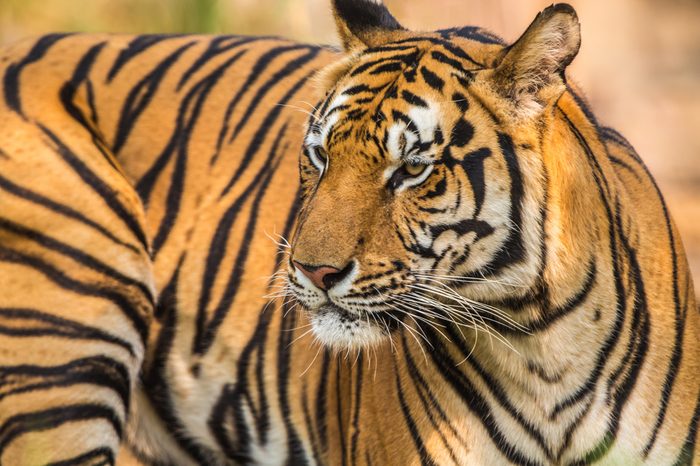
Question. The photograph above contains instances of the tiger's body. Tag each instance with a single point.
(141, 181)
(214, 213)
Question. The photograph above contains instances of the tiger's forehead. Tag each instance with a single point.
(395, 96)
(402, 118)
(398, 128)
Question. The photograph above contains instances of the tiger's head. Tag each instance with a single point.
(422, 173)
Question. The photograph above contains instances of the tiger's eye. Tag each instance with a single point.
(415, 169)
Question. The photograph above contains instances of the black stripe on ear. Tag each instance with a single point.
(361, 15)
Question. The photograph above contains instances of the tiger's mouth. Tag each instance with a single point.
(339, 328)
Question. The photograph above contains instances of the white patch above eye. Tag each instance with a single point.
(394, 144)
(330, 118)
(338, 100)
(426, 120)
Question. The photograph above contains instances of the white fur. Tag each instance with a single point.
(331, 331)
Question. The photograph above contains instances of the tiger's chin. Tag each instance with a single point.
(336, 328)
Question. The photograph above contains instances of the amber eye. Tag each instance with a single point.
(409, 174)
(319, 158)
(322, 155)
(415, 169)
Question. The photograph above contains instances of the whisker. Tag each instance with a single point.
(299, 109)
(312, 361)
(300, 337)
(452, 294)
(465, 312)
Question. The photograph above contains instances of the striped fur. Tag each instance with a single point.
(519, 294)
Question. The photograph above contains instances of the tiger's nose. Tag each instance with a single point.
(323, 276)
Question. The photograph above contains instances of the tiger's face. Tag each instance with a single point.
(413, 192)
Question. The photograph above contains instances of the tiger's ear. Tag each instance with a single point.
(365, 23)
(530, 73)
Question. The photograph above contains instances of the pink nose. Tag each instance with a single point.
(321, 276)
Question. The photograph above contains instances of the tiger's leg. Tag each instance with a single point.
(76, 296)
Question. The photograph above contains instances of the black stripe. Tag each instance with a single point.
(62, 209)
(230, 406)
(216, 47)
(38, 421)
(432, 79)
(98, 456)
(425, 458)
(497, 391)
(359, 372)
(360, 89)
(296, 454)
(106, 192)
(260, 135)
(621, 163)
(677, 352)
(607, 349)
(634, 356)
(77, 255)
(206, 329)
(462, 133)
(473, 166)
(256, 71)
(141, 95)
(339, 412)
(155, 378)
(569, 433)
(639, 329)
(461, 228)
(446, 44)
(178, 139)
(137, 318)
(550, 316)
(513, 250)
(67, 95)
(265, 87)
(687, 453)
(187, 120)
(96, 370)
(36, 323)
(310, 423)
(473, 33)
(322, 400)
(12, 74)
(464, 388)
(390, 67)
(217, 250)
(407, 58)
(429, 400)
(444, 59)
(461, 101)
(137, 46)
(235, 398)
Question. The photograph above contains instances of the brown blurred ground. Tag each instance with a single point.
(639, 64)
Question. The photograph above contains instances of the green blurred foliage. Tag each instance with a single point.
(20, 18)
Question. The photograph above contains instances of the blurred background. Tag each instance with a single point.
(639, 64)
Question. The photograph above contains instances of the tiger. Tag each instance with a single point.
(421, 248)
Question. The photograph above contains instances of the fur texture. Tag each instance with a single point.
(509, 286)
